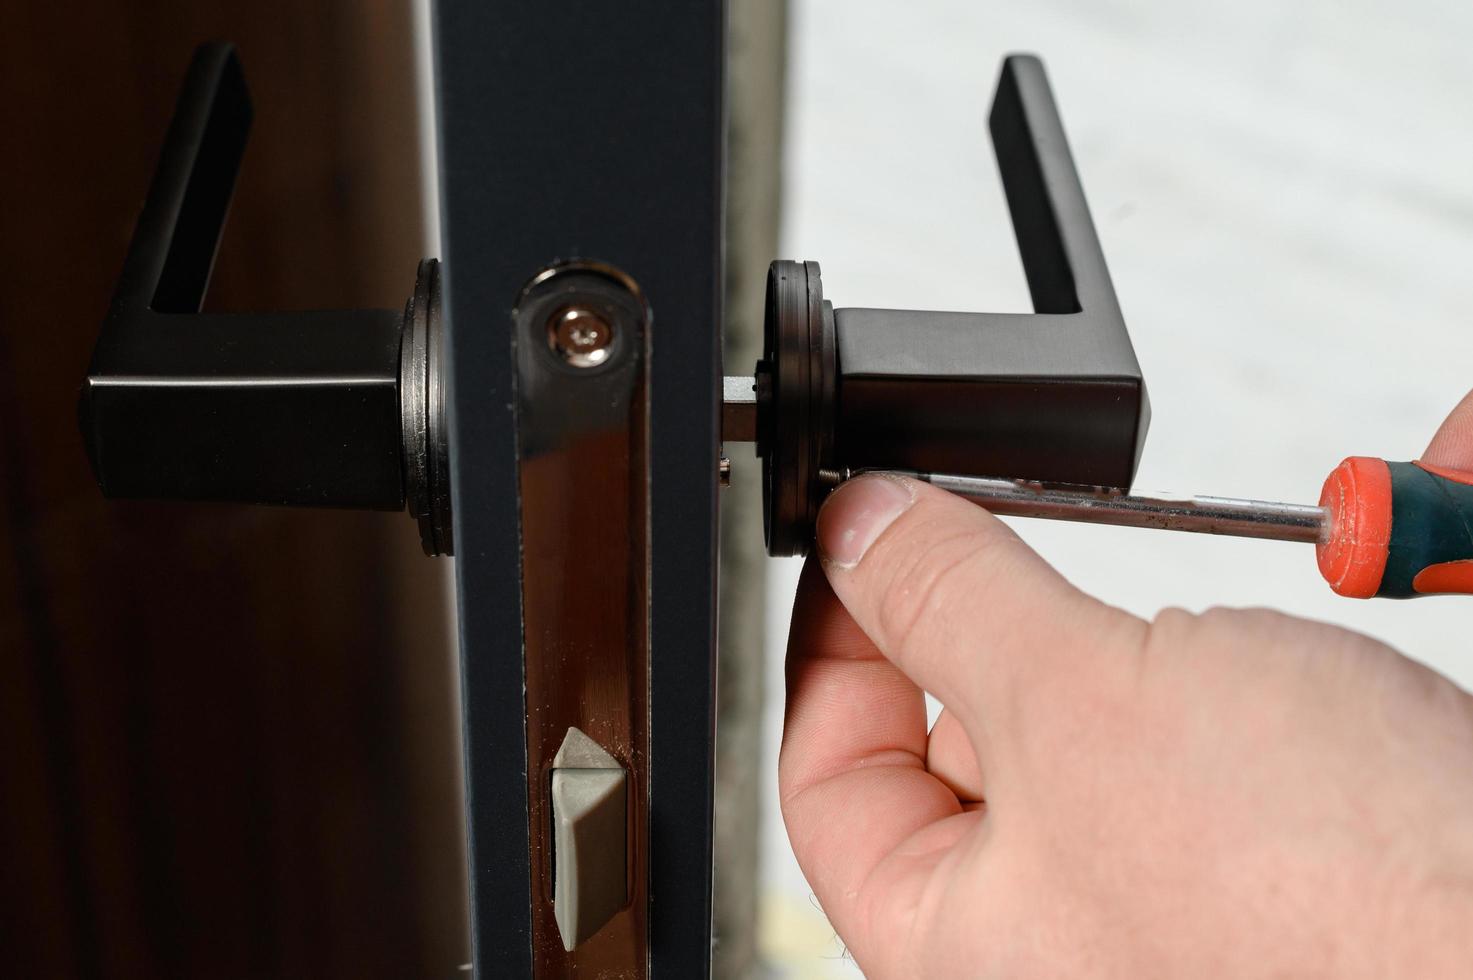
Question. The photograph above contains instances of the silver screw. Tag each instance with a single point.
(580, 335)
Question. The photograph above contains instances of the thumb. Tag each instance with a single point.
(960, 603)
(1452, 446)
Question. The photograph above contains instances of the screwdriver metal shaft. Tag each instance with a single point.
(1099, 505)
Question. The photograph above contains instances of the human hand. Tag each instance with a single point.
(1236, 793)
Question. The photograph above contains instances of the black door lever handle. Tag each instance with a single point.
(1055, 395)
(337, 408)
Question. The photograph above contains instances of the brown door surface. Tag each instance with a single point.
(228, 735)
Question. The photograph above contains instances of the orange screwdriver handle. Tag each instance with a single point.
(1397, 530)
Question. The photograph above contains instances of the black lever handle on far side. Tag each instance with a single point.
(335, 408)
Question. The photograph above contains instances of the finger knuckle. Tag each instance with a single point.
(1218, 626)
(1176, 630)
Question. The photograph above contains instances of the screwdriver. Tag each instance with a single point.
(1394, 530)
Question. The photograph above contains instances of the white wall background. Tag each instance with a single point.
(1284, 192)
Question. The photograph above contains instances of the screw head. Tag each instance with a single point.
(580, 336)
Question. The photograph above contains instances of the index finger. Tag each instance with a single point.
(1452, 446)
(866, 819)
